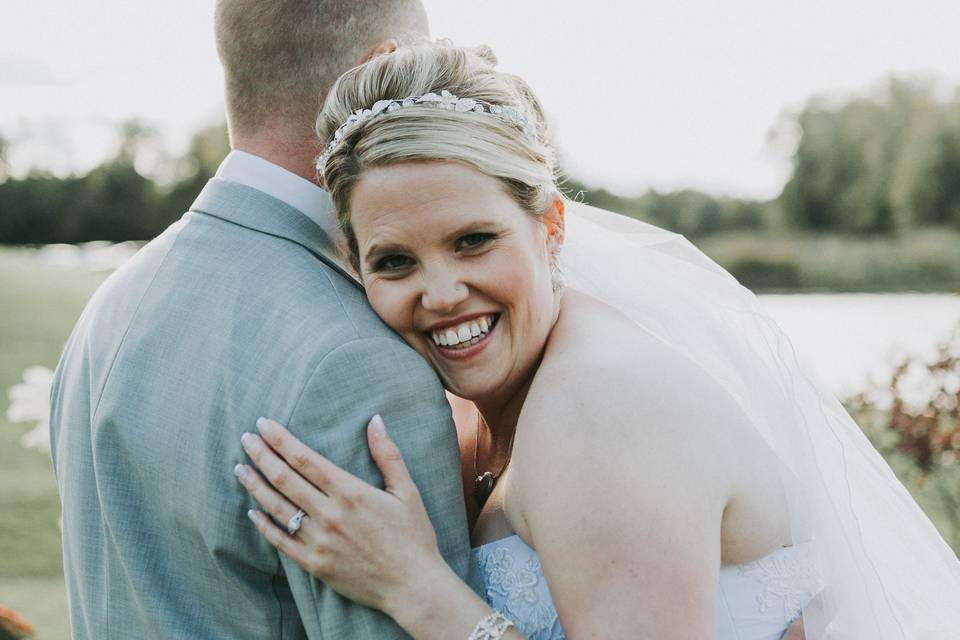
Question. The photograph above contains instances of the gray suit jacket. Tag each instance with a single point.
(234, 312)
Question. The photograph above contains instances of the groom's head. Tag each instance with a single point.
(280, 57)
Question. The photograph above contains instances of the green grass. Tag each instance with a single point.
(39, 307)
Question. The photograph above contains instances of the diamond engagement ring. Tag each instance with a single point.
(293, 524)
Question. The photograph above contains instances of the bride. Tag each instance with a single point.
(641, 454)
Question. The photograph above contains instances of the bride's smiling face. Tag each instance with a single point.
(454, 265)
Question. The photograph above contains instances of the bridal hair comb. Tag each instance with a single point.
(443, 100)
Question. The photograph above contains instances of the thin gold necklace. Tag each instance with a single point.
(484, 483)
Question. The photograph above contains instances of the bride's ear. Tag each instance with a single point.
(553, 220)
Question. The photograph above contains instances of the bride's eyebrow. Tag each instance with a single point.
(473, 226)
(377, 250)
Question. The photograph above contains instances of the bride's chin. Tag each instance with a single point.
(466, 391)
(456, 389)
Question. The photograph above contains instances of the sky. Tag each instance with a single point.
(665, 95)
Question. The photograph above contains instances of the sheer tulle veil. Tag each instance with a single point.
(884, 570)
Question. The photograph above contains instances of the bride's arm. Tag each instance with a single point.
(376, 547)
(619, 482)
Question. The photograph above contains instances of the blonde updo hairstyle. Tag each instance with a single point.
(526, 167)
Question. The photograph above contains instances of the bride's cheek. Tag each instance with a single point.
(386, 301)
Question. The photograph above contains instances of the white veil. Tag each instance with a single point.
(884, 569)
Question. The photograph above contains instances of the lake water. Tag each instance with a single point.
(852, 340)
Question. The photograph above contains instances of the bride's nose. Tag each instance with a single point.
(442, 291)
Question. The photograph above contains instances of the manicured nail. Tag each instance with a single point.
(264, 426)
(246, 439)
(379, 429)
(252, 515)
(241, 472)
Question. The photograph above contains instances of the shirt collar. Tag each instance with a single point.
(275, 181)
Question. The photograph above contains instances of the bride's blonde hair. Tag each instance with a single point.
(525, 164)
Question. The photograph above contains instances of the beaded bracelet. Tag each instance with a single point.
(491, 627)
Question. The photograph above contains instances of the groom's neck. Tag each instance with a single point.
(295, 154)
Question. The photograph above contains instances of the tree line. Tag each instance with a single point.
(115, 201)
(878, 164)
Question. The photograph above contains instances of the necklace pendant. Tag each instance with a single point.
(483, 487)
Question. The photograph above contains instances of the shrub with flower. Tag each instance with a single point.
(915, 422)
(14, 627)
(30, 402)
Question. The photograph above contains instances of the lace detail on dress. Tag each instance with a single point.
(756, 601)
(785, 580)
(515, 585)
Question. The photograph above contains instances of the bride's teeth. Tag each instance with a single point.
(469, 332)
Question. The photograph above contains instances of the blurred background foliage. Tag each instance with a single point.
(913, 420)
(873, 202)
(879, 164)
(885, 163)
(117, 200)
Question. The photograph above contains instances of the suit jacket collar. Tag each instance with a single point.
(247, 207)
(272, 179)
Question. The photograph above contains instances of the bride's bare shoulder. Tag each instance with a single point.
(614, 406)
(592, 336)
(580, 311)
(600, 365)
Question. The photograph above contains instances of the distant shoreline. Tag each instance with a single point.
(923, 261)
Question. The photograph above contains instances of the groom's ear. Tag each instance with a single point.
(385, 46)
(553, 220)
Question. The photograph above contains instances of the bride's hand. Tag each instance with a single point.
(365, 543)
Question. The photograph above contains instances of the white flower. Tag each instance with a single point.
(30, 402)
(90, 256)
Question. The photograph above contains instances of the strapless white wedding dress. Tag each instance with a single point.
(755, 601)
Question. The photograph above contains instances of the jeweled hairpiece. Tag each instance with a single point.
(443, 100)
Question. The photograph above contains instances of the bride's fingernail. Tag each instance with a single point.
(265, 427)
(246, 439)
(241, 472)
(379, 429)
(252, 515)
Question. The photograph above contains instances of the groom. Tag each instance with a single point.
(236, 311)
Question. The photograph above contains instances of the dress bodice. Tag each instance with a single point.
(755, 601)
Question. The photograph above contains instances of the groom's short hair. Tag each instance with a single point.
(280, 57)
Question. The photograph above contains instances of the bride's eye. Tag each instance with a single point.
(392, 263)
(474, 240)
